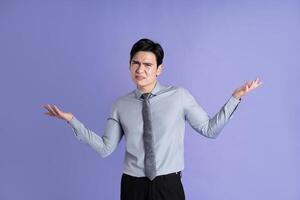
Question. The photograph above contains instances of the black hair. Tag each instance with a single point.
(150, 46)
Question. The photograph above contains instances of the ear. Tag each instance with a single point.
(159, 70)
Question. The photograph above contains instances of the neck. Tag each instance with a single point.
(148, 88)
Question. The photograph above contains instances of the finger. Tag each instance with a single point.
(48, 108)
(248, 82)
(58, 111)
(258, 84)
(54, 110)
(49, 114)
(257, 81)
(250, 85)
(45, 106)
(247, 88)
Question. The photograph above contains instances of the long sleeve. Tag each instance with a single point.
(200, 120)
(104, 145)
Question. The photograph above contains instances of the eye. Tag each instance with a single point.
(135, 64)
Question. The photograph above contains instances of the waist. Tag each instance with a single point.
(159, 176)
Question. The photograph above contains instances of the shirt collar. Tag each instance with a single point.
(155, 90)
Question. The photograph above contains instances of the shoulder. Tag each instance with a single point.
(182, 90)
(128, 95)
(123, 98)
(168, 88)
(175, 89)
(185, 94)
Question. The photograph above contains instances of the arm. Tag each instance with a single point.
(105, 144)
(200, 120)
(211, 127)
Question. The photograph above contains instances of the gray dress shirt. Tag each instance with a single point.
(170, 107)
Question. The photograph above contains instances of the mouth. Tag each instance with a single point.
(139, 78)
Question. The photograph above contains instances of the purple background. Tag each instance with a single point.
(74, 54)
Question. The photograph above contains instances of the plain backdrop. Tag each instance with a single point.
(75, 54)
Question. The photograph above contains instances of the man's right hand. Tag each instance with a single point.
(55, 112)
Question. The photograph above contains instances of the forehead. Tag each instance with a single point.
(144, 56)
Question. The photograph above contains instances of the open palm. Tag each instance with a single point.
(54, 111)
(247, 87)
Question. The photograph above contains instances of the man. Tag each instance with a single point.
(152, 120)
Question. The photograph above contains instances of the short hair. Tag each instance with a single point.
(150, 46)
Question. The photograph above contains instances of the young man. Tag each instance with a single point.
(152, 120)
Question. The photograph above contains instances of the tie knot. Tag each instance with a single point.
(145, 95)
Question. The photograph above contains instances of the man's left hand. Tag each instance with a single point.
(247, 87)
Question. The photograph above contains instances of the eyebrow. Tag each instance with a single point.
(147, 63)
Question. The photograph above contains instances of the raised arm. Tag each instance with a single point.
(200, 120)
(105, 144)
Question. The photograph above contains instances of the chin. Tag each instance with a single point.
(141, 84)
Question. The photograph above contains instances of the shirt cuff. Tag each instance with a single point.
(235, 100)
(74, 123)
(231, 105)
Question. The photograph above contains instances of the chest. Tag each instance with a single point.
(165, 111)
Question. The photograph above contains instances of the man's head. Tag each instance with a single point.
(146, 59)
(148, 46)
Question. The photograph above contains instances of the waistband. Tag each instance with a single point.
(164, 175)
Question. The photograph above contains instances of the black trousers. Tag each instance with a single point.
(164, 187)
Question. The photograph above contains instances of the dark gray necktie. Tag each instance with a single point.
(150, 168)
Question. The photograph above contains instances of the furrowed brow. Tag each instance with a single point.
(135, 61)
(147, 63)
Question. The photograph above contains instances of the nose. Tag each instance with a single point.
(140, 69)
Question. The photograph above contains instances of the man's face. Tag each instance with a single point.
(143, 69)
